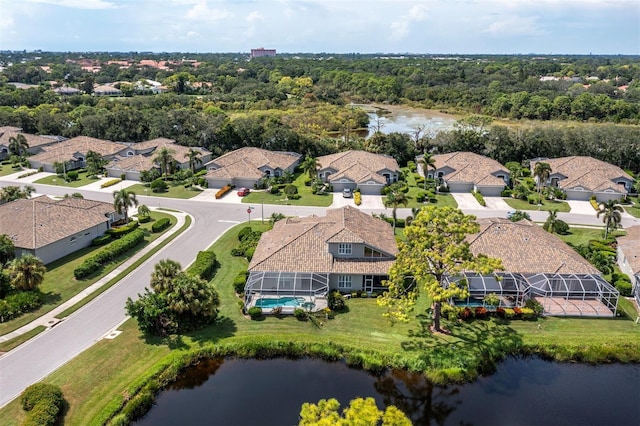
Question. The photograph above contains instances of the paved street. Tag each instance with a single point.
(51, 349)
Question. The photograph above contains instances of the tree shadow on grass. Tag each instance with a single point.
(223, 327)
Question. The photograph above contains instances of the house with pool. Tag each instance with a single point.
(301, 259)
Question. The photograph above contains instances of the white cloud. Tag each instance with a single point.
(201, 12)
(254, 16)
(79, 4)
(400, 28)
(516, 25)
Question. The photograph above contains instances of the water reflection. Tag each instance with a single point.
(400, 119)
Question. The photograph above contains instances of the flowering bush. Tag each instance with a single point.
(110, 183)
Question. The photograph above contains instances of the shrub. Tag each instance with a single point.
(245, 233)
(335, 301)
(594, 203)
(509, 313)
(357, 198)
(534, 305)
(466, 313)
(560, 227)
(159, 185)
(222, 191)
(534, 199)
(500, 312)
(274, 190)
(18, 303)
(255, 312)
(123, 230)
(204, 265)
(479, 198)
(481, 312)
(113, 250)
(72, 175)
(160, 225)
(506, 193)
(624, 287)
(290, 190)
(239, 282)
(443, 188)
(110, 183)
(300, 314)
(144, 219)
(100, 241)
(517, 311)
(527, 314)
(44, 402)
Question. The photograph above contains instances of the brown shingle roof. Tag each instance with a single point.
(630, 246)
(526, 248)
(358, 166)
(246, 162)
(586, 172)
(63, 151)
(470, 167)
(40, 221)
(301, 244)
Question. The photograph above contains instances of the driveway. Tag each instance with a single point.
(369, 202)
(497, 203)
(466, 201)
(581, 207)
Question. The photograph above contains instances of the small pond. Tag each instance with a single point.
(402, 119)
(522, 392)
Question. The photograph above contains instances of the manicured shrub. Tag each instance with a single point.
(107, 254)
(160, 225)
(204, 266)
(18, 303)
(110, 183)
(534, 199)
(335, 301)
(481, 312)
(101, 240)
(466, 313)
(159, 185)
(500, 312)
(527, 314)
(357, 198)
(72, 175)
(443, 188)
(144, 219)
(274, 190)
(290, 190)
(624, 287)
(509, 313)
(43, 402)
(239, 282)
(506, 193)
(300, 314)
(534, 305)
(244, 233)
(479, 198)
(255, 312)
(123, 230)
(517, 311)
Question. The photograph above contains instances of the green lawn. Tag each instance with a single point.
(83, 180)
(178, 191)
(581, 236)
(634, 210)
(306, 197)
(59, 284)
(7, 169)
(362, 332)
(443, 200)
(547, 205)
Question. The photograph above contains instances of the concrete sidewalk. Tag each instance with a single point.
(50, 319)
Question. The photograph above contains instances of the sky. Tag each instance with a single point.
(324, 26)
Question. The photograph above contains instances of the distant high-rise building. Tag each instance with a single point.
(260, 52)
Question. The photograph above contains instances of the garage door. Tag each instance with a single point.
(370, 189)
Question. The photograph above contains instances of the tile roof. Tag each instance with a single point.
(630, 246)
(358, 166)
(470, 167)
(526, 248)
(40, 221)
(301, 244)
(136, 163)
(246, 162)
(32, 140)
(64, 151)
(10, 129)
(179, 151)
(586, 172)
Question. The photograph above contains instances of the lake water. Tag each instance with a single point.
(400, 119)
(522, 392)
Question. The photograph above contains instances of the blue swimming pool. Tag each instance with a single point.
(281, 301)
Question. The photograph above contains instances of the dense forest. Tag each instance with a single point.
(512, 107)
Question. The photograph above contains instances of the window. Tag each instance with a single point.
(369, 252)
(344, 281)
(344, 248)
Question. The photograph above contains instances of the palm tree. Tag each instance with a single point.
(94, 162)
(194, 159)
(7, 249)
(165, 158)
(18, 144)
(428, 162)
(164, 272)
(550, 223)
(395, 197)
(143, 210)
(11, 193)
(309, 166)
(122, 200)
(611, 213)
(542, 171)
(26, 272)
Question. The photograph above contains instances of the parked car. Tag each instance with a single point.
(347, 193)
(243, 191)
(510, 214)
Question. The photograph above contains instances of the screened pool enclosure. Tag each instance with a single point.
(307, 288)
(511, 289)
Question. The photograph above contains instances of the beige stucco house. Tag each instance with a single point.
(51, 229)
(36, 143)
(358, 169)
(73, 153)
(629, 257)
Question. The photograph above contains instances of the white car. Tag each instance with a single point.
(347, 193)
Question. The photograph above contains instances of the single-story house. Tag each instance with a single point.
(629, 257)
(539, 265)
(466, 171)
(305, 258)
(358, 169)
(106, 90)
(581, 177)
(67, 91)
(73, 153)
(51, 229)
(244, 167)
(36, 143)
(139, 157)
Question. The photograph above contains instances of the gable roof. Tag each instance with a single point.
(40, 221)
(585, 172)
(137, 163)
(358, 166)
(526, 248)
(471, 167)
(301, 244)
(179, 151)
(630, 246)
(246, 162)
(32, 140)
(64, 151)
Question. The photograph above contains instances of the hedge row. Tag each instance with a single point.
(113, 250)
(16, 304)
(204, 266)
(122, 230)
(44, 403)
(479, 198)
(160, 225)
(223, 191)
(100, 241)
(110, 183)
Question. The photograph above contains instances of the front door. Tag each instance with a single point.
(368, 283)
